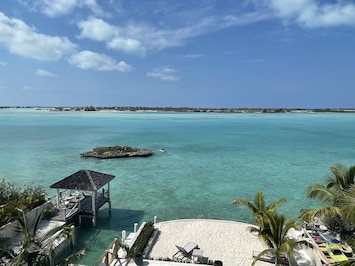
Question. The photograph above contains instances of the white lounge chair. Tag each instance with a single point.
(185, 252)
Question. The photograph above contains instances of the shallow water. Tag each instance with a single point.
(210, 160)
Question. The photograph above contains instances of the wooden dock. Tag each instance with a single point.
(78, 205)
(71, 200)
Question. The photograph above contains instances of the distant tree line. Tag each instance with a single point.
(202, 110)
(188, 109)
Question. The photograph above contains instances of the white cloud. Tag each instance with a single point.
(44, 73)
(314, 14)
(59, 7)
(96, 29)
(29, 88)
(164, 73)
(127, 45)
(286, 8)
(2, 63)
(23, 40)
(91, 60)
(55, 8)
(194, 55)
(99, 30)
(137, 39)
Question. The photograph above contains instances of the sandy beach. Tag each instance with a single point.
(227, 241)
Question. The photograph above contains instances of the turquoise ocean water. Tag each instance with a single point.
(210, 160)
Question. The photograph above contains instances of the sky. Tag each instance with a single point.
(185, 53)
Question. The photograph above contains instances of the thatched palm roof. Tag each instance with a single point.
(84, 180)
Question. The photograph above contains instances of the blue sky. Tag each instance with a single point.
(186, 53)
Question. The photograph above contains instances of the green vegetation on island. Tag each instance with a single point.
(205, 109)
(116, 152)
(188, 109)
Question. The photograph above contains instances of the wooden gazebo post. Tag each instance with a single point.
(93, 207)
(58, 198)
(109, 197)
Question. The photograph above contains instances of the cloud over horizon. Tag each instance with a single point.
(164, 73)
(90, 60)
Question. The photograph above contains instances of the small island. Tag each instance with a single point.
(116, 152)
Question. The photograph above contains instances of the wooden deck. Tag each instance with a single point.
(79, 205)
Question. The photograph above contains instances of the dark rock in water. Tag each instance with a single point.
(116, 152)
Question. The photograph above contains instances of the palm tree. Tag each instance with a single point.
(328, 198)
(333, 195)
(258, 207)
(347, 205)
(36, 248)
(342, 177)
(274, 235)
(350, 262)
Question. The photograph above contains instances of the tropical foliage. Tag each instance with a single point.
(258, 207)
(13, 196)
(337, 197)
(274, 235)
(142, 240)
(272, 228)
(36, 248)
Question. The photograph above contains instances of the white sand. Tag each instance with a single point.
(230, 242)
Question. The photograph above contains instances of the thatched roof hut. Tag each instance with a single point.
(85, 180)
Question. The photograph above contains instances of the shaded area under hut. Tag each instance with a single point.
(78, 194)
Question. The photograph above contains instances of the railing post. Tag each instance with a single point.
(73, 235)
(123, 237)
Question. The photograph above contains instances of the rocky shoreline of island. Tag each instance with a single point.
(116, 152)
(206, 110)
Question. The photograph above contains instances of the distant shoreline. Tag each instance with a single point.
(187, 109)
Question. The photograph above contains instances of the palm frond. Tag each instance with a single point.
(259, 200)
(342, 178)
(261, 254)
(322, 193)
(246, 203)
(276, 203)
(38, 220)
(350, 262)
(287, 248)
(73, 256)
(351, 174)
(327, 211)
(347, 206)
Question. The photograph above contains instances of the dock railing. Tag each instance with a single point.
(110, 253)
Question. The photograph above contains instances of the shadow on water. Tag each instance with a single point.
(117, 220)
(108, 226)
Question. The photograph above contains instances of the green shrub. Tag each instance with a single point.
(118, 149)
(142, 240)
(13, 196)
